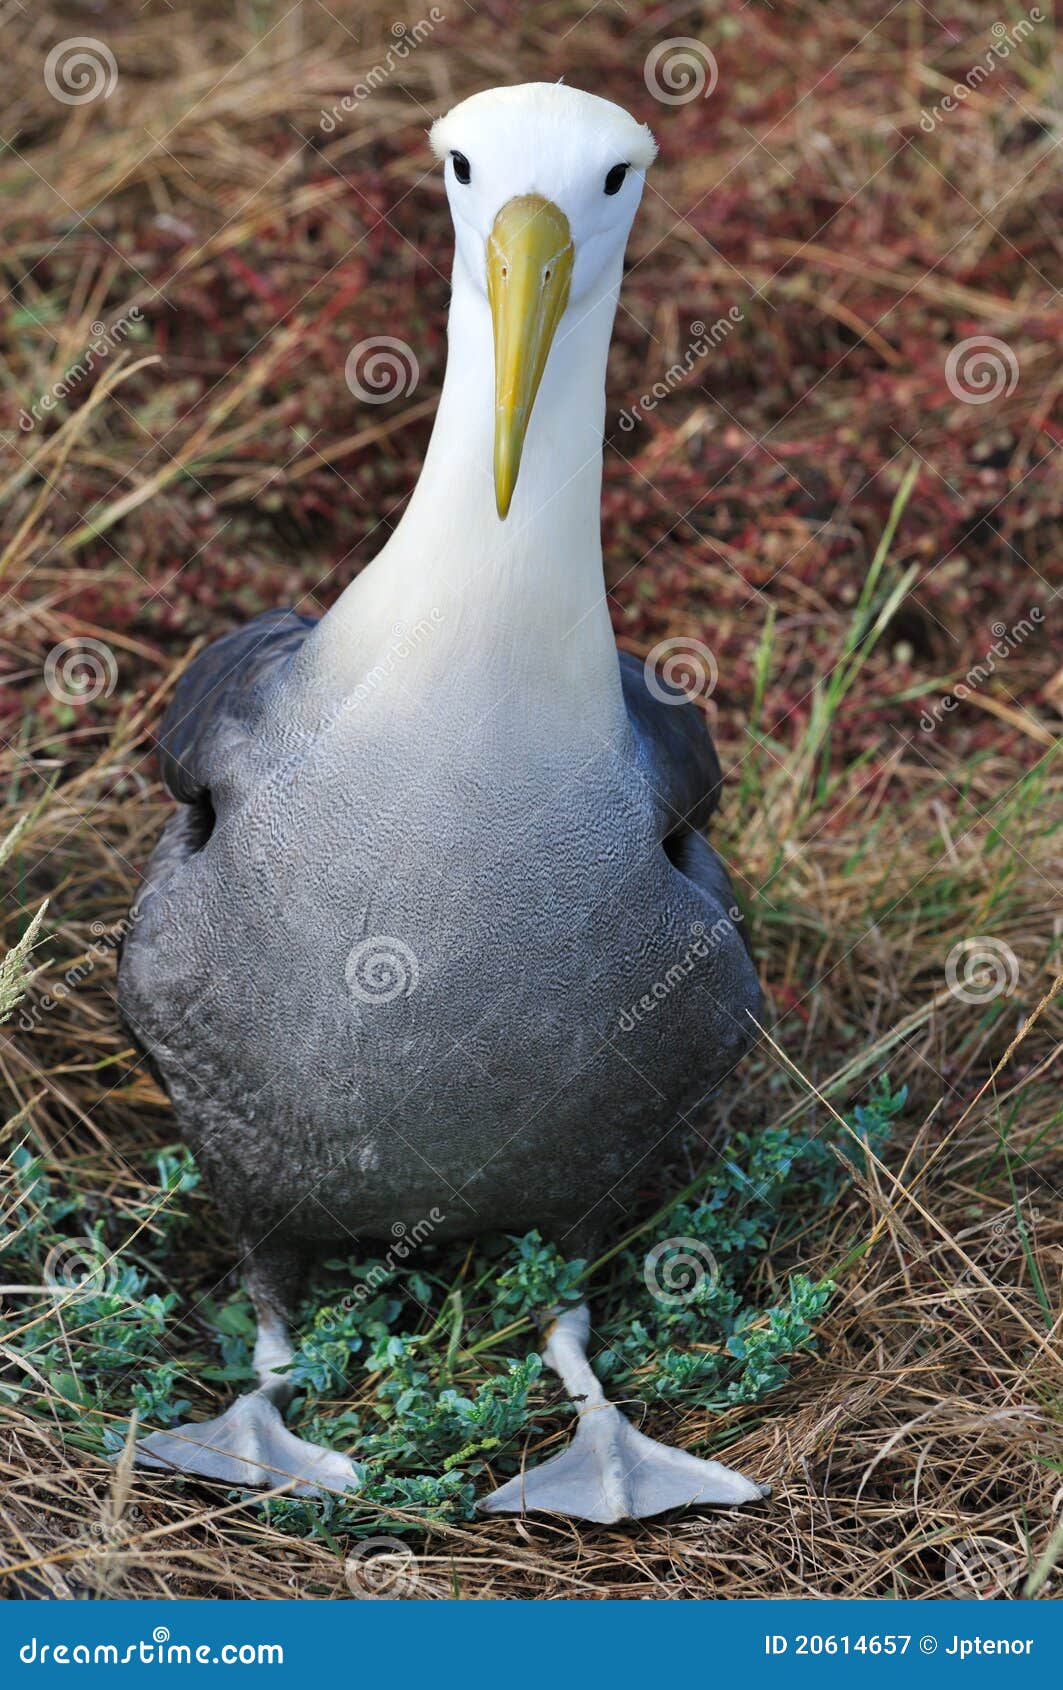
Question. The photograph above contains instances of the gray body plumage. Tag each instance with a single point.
(395, 961)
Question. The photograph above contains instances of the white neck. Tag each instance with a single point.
(515, 610)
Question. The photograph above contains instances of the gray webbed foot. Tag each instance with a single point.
(610, 1471)
(249, 1445)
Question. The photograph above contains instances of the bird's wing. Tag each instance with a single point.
(680, 759)
(218, 693)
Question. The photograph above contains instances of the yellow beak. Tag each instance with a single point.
(529, 269)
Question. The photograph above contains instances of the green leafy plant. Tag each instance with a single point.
(438, 1397)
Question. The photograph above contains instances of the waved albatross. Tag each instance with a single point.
(429, 847)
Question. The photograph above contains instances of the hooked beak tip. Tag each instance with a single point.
(529, 267)
(509, 442)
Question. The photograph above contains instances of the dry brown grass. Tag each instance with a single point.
(168, 499)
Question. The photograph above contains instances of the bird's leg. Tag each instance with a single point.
(249, 1443)
(610, 1471)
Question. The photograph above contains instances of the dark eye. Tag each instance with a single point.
(462, 169)
(615, 179)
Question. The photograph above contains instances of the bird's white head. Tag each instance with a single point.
(543, 182)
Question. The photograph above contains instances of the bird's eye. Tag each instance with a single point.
(462, 169)
(615, 179)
